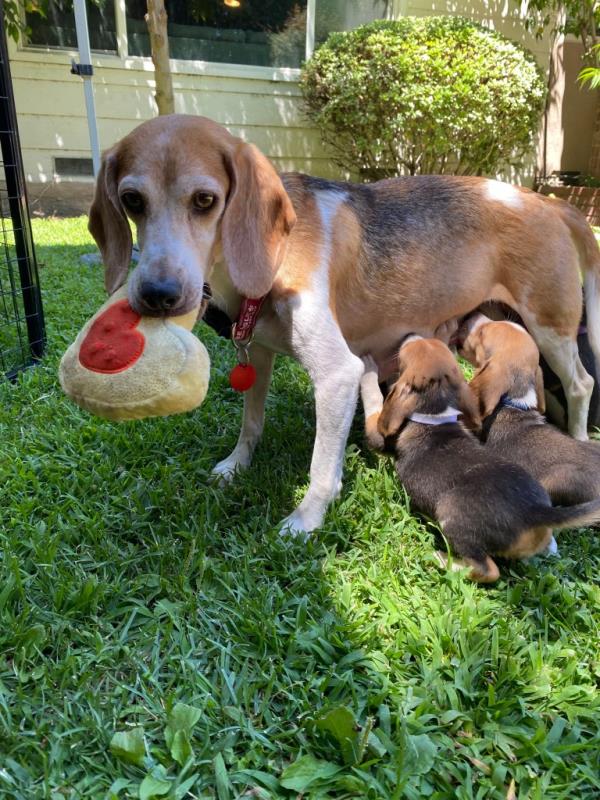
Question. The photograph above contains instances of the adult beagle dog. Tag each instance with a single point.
(510, 394)
(485, 505)
(346, 268)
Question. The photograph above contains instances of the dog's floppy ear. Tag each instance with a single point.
(257, 221)
(539, 390)
(109, 225)
(488, 384)
(398, 405)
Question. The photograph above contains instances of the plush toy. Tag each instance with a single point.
(125, 366)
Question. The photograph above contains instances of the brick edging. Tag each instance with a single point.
(587, 199)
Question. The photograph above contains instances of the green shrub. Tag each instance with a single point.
(440, 94)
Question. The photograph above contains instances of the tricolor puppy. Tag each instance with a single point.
(485, 506)
(509, 391)
(346, 268)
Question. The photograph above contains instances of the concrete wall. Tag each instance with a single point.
(260, 104)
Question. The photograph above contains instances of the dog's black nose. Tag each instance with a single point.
(160, 296)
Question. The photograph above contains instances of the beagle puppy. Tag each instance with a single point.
(344, 269)
(485, 506)
(509, 389)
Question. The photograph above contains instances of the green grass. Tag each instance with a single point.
(137, 599)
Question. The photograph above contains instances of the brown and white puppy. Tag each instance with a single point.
(510, 395)
(348, 268)
(485, 506)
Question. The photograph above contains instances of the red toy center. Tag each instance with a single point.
(113, 344)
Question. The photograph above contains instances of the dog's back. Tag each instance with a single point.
(569, 470)
(482, 502)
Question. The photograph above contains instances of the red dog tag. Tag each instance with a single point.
(113, 342)
(242, 377)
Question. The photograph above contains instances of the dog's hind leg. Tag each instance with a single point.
(562, 355)
(253, 418)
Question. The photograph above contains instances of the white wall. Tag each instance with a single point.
(260, 104)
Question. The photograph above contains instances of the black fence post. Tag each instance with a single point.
(20, 302)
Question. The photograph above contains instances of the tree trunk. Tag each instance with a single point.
(156, 20)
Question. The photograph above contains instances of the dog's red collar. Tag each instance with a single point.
(243, 327)
(243, 375)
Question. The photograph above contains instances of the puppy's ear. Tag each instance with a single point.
(488, 384)
(539, 390)
(109, 225)
(257, 221)
(467, 403)
(398, 405)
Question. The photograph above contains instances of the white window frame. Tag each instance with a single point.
(182, 66)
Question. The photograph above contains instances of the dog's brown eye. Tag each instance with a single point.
(133, 202)
(202, 201)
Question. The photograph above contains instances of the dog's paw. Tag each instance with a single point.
(225, 471)
(300, 523)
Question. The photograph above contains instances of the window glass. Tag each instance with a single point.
(57, 28)
(344, 15)
(269, 33)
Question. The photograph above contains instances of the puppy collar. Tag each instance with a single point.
(526, 403)
(408, 337)
(447, 417)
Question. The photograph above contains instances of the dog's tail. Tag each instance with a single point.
(589, 259)
(569, 516)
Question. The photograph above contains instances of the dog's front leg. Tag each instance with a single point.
(253, 418)
(335, 373)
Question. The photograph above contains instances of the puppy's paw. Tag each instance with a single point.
(372, 400)
(369, 387)
(552, 550)
(443, 560)
(447, 331)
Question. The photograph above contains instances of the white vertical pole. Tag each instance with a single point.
(83, 43)
(310, 28)
(121, 26)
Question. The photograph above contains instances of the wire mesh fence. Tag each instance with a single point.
(22, 333)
